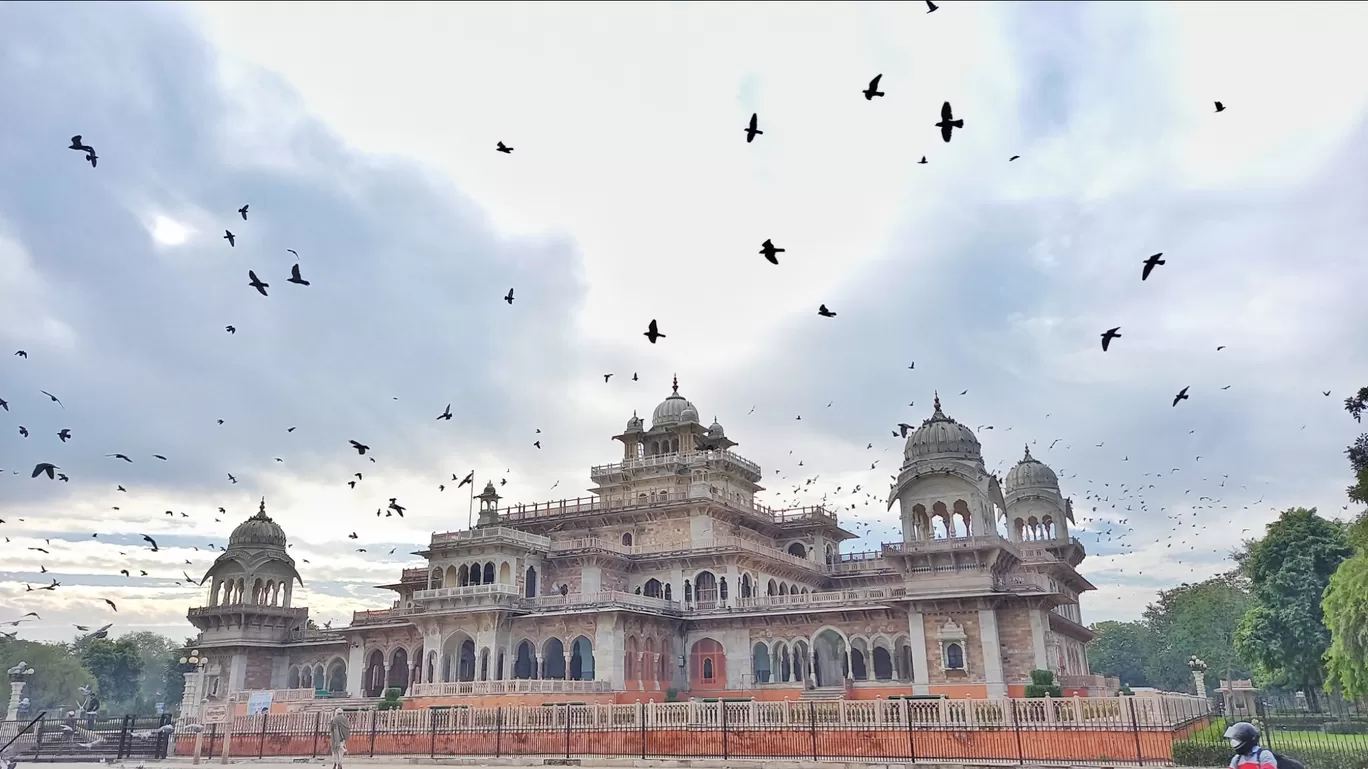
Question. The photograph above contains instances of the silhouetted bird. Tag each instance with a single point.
(295, 276)
(770, 251)
(1181, 396)
(505, 149)
(1220, 107)
(753, 129)
(257, 284)
(1108, 335)
(243, 211)
(1150, 264)
(80, 146)
(228, 236)
(509, 297)
(930, 6)
(824, 312)
(948, 122)
(873, 89)
(653, 332)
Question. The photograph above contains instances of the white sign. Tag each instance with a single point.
(215, 714)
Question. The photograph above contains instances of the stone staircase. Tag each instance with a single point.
(823, 693)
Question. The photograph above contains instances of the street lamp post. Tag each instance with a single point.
(1198, 667)
(192, 666)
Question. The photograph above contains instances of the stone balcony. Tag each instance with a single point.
(587, 506)
(246, 608)
(671, 463)
(468, 598)
(710, 545)
(490, 535)
(952, 544)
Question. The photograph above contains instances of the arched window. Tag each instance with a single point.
(722, 588)
(489, 573)
(797, 550)
(668, 592)
(627, 538)
(530, 589)
(463, 576)
(653, 588)
(954, 657)
(708, 669)
(745, 586)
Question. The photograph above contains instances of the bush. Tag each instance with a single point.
(1190, 753)
(672, 694)
(391, 699)
(1043, 685)
(1345, 727)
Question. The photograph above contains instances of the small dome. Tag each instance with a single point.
(674, 410)
(715, 430)
(1030, 473)
(941, 436)
(258, 531)
(634, 425)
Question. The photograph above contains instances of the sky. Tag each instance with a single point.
(364, 139)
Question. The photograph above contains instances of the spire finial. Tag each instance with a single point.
(676, 384)
(261, 510)
(1028, 451)
(938, 408)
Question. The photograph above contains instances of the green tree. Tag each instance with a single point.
(1346, 616)
(1284, 633)
(57, 676)
(1358, 451)
(1197, 619)
(117, 666)
(1121, 649)
(161, 679)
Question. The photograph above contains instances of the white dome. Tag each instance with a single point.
(715, 430)
(674, 410)
(941, 437)
(634, 424)
(1030, 473)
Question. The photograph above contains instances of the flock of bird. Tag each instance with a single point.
(1108, 529)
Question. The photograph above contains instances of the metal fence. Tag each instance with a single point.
(1333, 736)
(82, 739)
(1003, 731)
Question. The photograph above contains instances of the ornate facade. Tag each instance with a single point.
(672, 581)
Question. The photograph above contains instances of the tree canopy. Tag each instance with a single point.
(1284, 633)
(116, 664)
(58, 674)
(1346, 599)
(1191, 619)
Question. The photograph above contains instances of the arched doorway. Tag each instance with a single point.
(399, 670)
(466, 670)
(525, 664)
(829, 658)
(707, 665)
(553, 659)
(375, 674)
(581, 660)
(337, 676)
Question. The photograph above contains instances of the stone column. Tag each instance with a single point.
(916, 633)
(356, 669)
(540, 672)
(992, 653)
(567, 666)
(1039, 624)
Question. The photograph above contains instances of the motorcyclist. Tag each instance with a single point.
(1244, 740)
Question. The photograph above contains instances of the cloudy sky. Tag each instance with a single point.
(364, 139)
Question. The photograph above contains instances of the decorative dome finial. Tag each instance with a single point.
(937, 404)
(675, 387)
(261, 510)
(1028, 453)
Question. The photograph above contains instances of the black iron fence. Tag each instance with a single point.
(1334, 735)
(88, 738)
(722, 730)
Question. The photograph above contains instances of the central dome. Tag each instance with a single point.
(1030, 473)
(674, 410)
(941, 437)
(258, 531)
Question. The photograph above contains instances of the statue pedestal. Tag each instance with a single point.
(16, 694)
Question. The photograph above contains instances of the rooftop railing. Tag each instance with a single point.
(676, 458)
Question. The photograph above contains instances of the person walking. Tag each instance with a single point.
(339, 730)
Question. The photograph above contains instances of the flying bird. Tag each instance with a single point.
(771, 251)
(51, 396)
(1181, 396)
(257, 284)
(824, 312)
(296, 253)
(606, 377)
(93, 158)
(230, 329)
(124, 457)
(930, 6)
(44, 467)
(243, 211)
(470, 478)
(753, 129)
(653, 332)
(873, 89)
(151, 542)
(64, 434)
(446, 414)
(509, 297)
(505, 149)
(1220, 107)
(80, 146)
(111, 604)
(295, 276)
(21, 353)
(1150, 264)
(1108, 335)
(948, 122)
(1014, 157)
(361, 448)
(228, 236)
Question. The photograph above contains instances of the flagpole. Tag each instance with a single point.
(470, 511)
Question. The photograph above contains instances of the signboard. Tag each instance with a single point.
(259, 702)
(215, 713)
(161, 708)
